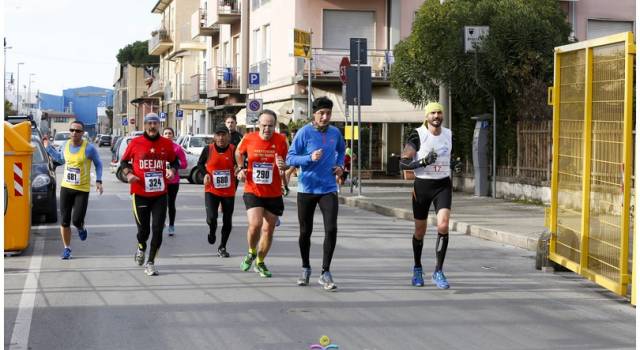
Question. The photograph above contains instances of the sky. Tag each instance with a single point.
(72, 43)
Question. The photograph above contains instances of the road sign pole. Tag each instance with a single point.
(310, 58)
(359, 128)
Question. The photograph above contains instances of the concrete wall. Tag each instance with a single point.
(507, 190)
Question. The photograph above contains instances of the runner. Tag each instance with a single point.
(218, 162)
(265, 151)
(149, 154)
(428, 153)
(318, 149)
(77, 155)
(174, 184)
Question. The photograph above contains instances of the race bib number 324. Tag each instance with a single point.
(153, 181)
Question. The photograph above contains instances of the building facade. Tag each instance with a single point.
(83, 102)
(130, 100)
(594, 18)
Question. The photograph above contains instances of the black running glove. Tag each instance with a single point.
(429, 159)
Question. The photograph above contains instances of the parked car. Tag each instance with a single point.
(104, 140)
(60, 138)
(115, 159)
(193, 146)
(43, 184)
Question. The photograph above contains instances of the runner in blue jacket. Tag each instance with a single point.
(318, 149)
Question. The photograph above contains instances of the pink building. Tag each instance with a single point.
(595, 18)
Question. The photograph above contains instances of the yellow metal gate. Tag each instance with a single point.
(592, 98)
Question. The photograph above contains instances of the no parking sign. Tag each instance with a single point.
(254, 108)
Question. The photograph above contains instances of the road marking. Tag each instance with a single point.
(48, 227)
(22, 326)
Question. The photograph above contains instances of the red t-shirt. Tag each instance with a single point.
(149, 159)
(220, 167)
(263, 176)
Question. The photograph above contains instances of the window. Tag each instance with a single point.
(255, 44)
(339, 26)
(226, 54)
(266, 39)
(236, 51)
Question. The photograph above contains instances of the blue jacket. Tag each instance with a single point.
(317, 177)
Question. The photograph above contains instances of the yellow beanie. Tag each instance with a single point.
(432, 107)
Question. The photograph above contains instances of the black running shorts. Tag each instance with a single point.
(427, 191)
(274, 205)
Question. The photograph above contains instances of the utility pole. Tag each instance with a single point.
(29, 91)
(18, 89)
(5, 65)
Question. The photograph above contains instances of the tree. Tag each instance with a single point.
(8, 109)
(137, 54)
(515, 64)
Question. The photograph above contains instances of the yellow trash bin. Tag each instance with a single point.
(17, 185)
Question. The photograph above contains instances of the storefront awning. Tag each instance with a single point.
(386, 107)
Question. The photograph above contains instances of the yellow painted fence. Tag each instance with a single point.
(592, 98)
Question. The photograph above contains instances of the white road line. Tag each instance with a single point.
(22, 326)
(48, 227)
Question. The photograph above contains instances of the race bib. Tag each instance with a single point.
(72, 175)
(153, 181)
(221, 178)
(263, 173)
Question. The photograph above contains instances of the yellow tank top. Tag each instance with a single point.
(77, 168)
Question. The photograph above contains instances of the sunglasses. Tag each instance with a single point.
(76, 130)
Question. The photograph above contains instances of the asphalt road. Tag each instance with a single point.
(102, 300)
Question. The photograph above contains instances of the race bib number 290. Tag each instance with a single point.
(153, 181)
(262, 173)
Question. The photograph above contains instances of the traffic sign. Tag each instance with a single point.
(344, 64)
(365, 86)
(179, 113)
(124, 121)
(301, 43)
(473, 36)
(163, 116)
(358, 50)
(254, 80)
(254, 109)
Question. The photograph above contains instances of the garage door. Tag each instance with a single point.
(598, 28)
(338, 26)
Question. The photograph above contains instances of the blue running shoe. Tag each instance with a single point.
(171, 230)
(277, 221)
(417, 280)
(66, 254)
(82, 233)
(440, 280)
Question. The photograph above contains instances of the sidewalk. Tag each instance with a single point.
(515, 224)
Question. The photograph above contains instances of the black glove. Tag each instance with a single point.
(285, 190)
(429, 159)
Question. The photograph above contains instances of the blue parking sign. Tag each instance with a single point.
(254, 78)
(179, 113)
(163, 116)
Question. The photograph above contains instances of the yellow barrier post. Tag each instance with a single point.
(17, 171)
(586, 161)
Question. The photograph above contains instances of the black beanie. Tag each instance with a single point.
(321, 102)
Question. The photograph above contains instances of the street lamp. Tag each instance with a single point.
(18, 89)
(29, 91)
(5, 64)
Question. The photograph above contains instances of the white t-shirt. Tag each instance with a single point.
(441, 144)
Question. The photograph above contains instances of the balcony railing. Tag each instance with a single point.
(226, 12)
(198, 86)
(326, 64)
(227, 78)
(160, 41)
(156, 89)
(199, 25)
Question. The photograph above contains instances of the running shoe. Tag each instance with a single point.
(150, 269)
(277, 221)
(247, 261)
(66, 254)
(211, 238)
(222, 252)
(171, 230)
(417, 280)
(82, 233)
(326, 280)
(139, 257)
(440, 280)
(304, 278)
(262, 269)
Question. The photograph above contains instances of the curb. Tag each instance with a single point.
(508, 238)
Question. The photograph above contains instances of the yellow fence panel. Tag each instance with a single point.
(592, 159)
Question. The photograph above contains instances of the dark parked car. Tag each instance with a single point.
(43, 185)
(105, 140)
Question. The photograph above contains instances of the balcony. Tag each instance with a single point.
(156, 89)
(223, 80)
(199, 26)
(326, 65)
(185, 41)
(226, 12)
(198, 86)
(160, 42)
